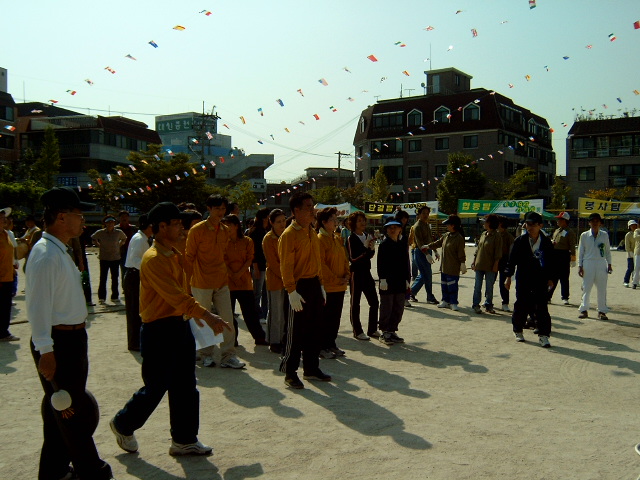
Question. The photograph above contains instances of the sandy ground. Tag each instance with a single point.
(459, 400)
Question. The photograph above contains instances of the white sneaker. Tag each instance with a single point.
(519, 336)
(505, 307)
(197, 448)
(126, 442)
(443, 304)
(626, 285)
(544, 341)
(454, 307)
(208, 362)
(565, 301)
(232, 362)
(362, 336)
(407, 304)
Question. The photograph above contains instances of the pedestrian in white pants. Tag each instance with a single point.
(594, 263)
(636, 256)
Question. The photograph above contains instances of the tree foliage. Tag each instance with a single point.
(355, 195)
(604, 194)
(47, 166)
(154, 180)
(515, 187)
(244, 196)
(463, 180)
(378, 187)
(559, 193)
(329, 195)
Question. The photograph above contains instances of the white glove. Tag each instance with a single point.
(430, 259)
(324, 293)
(423, 248)
(463, 269)
(296, 301)
(573, 264)
(383, 284)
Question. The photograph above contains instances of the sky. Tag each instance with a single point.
(249, 54)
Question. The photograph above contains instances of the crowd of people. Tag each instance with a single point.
(289, 276)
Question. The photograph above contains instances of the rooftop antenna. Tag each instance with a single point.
(377, 97)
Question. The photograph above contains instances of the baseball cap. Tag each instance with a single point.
(534, 217)
(564, 216)
(595, 216)
(164, 212)
(64, 197)
(392, 222)
(109, 218)
(452, 220)
(631, 222)
(6, 211)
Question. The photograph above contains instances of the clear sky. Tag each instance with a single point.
(248, 54)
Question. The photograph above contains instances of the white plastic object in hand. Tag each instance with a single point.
(573, 264)
(61, 400)
(296, 301)
(463, 269)
(324, 292)
(383, 284)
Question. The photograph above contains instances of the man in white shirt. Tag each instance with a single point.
(57, 313)
(594, 263)
(138, 244)
(629, 248)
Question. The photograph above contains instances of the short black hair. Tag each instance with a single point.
(123, 212)
(420, 209)
(400, 214)
(324, 215)
(233, 220)
(143, 221)
(493, 221)
(297, 199)
(275, 213)
(217, 200)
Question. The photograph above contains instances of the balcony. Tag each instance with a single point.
(627, 180)
(606, 152)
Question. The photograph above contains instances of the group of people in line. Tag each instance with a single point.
(178, 266)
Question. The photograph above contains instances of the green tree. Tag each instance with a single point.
(463, 180)
(47, 166)
(516, 186)
(559, 193)
(329, 195)
(355, 195)
(602, 194)
(378, 187)
(243, 194)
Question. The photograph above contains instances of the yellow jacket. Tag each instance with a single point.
(240, 253)
(204, 255)
(299, 252)
(270, 248)
(333, 258)
(6, 258)
(163, 286)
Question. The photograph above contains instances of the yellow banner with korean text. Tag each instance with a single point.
(587, 206)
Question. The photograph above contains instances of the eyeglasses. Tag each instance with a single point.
(78, 214)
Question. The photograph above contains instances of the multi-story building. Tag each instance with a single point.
(412, 137)
(315, 178)
(601, 154)
(8, 114)
(197, 134)
(86, 142)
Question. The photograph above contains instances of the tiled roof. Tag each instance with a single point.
(608, 126)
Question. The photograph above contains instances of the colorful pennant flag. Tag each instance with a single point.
(130, 57)
(372, 58)
(323, 82)
(179, 27)
(153, 44)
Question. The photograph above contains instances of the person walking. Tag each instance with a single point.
(507, 245)
(594, 263)
(629, 248)
(109, 240)
(531, 260)
(395, 274)
(361, 249)
(239, 256)
(57, 315)
(405, 237)
(129, 230)
(166, 342)
(7, 275)
(278, 299)
(453, 261)
(301, 270)
(138, 245)
(422, 256)
(636, 257)
(336, 276)
(564, 256)
(485, 264)
(208, 278)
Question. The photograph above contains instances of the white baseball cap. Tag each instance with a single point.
(564, 216)
(631, 222)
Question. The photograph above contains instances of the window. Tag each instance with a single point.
(414, 172)
(386, 147)
(440, 170)
(471, 112)
(441, 115)
(68, 181)
(393, 173)
(586, 174)
(385, 120)
(543, 180)
(7, 141)
(435, 83)
(414, 119)
(360, 175)
(508, 169)
(442, 143)
(363, 124)
(457, 79)
(617, 170)
(415, 145)
(6, 113)
(470, 141)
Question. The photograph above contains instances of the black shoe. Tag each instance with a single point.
(432, 301)
(583, 314)
(395, 338)
(293, 381)
(262, 341)
(317, 375)
(275, 348)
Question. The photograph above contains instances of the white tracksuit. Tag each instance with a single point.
(636, 257)
(594, 256)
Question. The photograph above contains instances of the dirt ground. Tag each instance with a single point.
(459, 400)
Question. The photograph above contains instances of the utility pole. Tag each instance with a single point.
(340, 155)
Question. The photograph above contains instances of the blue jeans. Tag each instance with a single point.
(489, 278)
(627, 275)
(449, 285)
(168, 365)
(424, 275)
